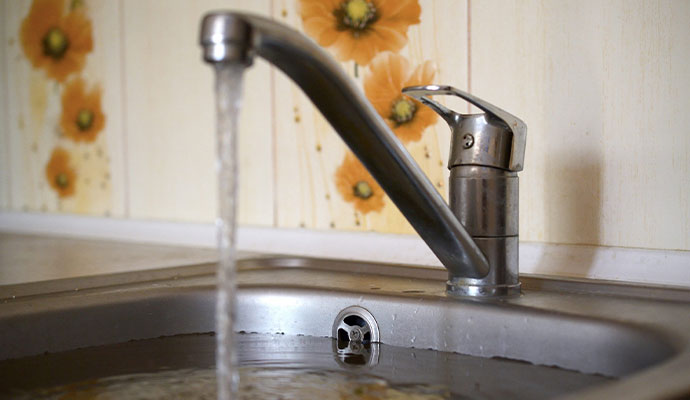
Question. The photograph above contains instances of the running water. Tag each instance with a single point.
(228, 104)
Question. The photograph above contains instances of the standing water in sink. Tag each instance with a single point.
(279, 367)
(228, 103)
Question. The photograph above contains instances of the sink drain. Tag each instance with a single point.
(355, 324)
(357, 336)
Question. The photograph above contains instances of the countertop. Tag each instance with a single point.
(30, 258)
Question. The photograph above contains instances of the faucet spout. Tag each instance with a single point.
(235, 37)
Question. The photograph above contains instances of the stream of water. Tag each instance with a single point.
(228, 104)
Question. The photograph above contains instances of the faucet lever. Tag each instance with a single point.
(420, 93)
(513, 124)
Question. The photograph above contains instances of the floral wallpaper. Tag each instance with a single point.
(60, 173)
(86, 129)
(82, 117)
(89, 125)
(370, 33)
(56, 41)
(56, 37)
(389, 74)
(359, 29)
(357, 186)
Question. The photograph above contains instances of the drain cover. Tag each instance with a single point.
(355, 324)
(357, 336)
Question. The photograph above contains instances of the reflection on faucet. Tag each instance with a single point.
(477, 267)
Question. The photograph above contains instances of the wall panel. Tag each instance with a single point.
(34, 112)
(5, 172)
(603, 88)
(170, 117)
(310, 152)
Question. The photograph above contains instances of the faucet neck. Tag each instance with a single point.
(360, 127)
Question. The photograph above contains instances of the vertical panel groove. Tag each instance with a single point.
(7, 138)
(469, 52)
(123, 99)
(274, 144)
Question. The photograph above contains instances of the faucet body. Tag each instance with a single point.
(487, 151)
(229, 37)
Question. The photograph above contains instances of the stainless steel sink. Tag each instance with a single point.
(607, 340)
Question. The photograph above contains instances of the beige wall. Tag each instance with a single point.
(603, 86)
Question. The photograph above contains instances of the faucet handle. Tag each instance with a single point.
(513, 124)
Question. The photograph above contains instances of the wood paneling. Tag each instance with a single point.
(170, 117)
(603, 87)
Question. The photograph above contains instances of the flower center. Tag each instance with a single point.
(55, 43)
(84, 119)
(363, 190)
(402, 110)
(61, 180)
(356, 15)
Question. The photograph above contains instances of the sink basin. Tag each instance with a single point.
(559, 338)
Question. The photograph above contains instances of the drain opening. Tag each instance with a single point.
(354, 329)
(357, 335)
(355, 324)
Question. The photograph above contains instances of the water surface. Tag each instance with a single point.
(279, 367)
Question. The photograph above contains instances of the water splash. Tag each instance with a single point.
(228, 104)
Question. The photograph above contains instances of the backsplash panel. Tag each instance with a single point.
(5, 171)
(56, 166)
(309, 152)
(603, 88)
(170, 117)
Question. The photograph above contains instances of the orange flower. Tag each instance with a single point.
(60, 174)
(359, 29)
(59, 43)
(390, 73)
(82, 117)
(357, 186)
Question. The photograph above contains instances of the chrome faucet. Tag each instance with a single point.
(487, 151)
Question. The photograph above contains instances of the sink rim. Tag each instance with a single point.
(253, 260)
(190, 278)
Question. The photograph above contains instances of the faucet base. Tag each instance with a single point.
(503, 279)
(481, 291)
